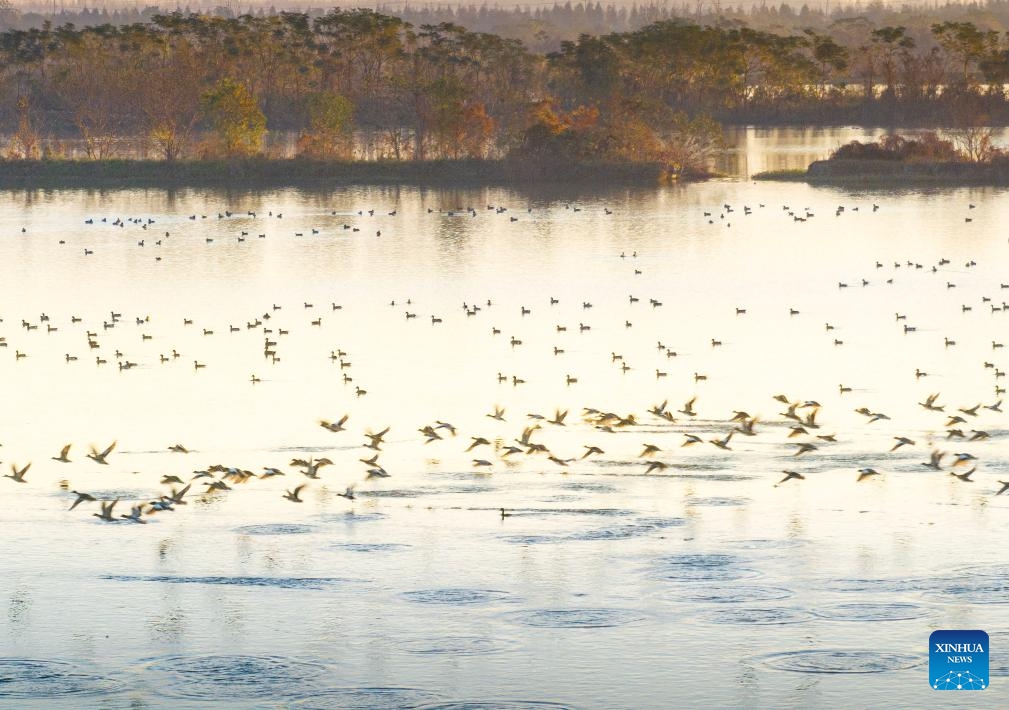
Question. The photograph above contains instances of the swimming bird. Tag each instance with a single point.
(100, 457)
(62, 458)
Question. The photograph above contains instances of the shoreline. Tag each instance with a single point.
(300, 172)
(893, 173)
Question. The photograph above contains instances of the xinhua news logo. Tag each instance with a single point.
(958, 660)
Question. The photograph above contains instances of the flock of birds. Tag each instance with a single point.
(799, 430)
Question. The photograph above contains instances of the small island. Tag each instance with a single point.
(967, 158)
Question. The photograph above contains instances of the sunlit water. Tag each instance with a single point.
(605, 585)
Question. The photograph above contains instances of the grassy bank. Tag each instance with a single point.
(895, 173)
(265, 173)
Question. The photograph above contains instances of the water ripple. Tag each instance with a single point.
(369, 546)
(276, 529)
(868, 611)
(700, 568)
(497, 705)
(458, 646)
(456, 596)
(974, 590)
(834, 661)
(277, 582)
(736, 594)
(222, 678)
(367, 699)
(575, 618)
(764, 617)
(22, 678)
(718, 502)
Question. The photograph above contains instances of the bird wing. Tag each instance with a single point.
(65, 451)
(109, 450)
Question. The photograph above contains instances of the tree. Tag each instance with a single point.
(330, 120)
(893, 42)
(828, 54)
(966, 42)
(92, 83)
(168, 79)
(971, 132)
(691, 142)
(235, 117)
(24, 143)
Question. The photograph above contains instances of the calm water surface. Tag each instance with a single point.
(606, 585)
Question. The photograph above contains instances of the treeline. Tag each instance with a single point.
(197, 85)
(208, 86)
(543, 27)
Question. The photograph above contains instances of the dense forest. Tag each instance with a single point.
(211, 85)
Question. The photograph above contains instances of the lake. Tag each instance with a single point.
(652, 573)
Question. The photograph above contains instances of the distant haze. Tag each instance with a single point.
(680, 8)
